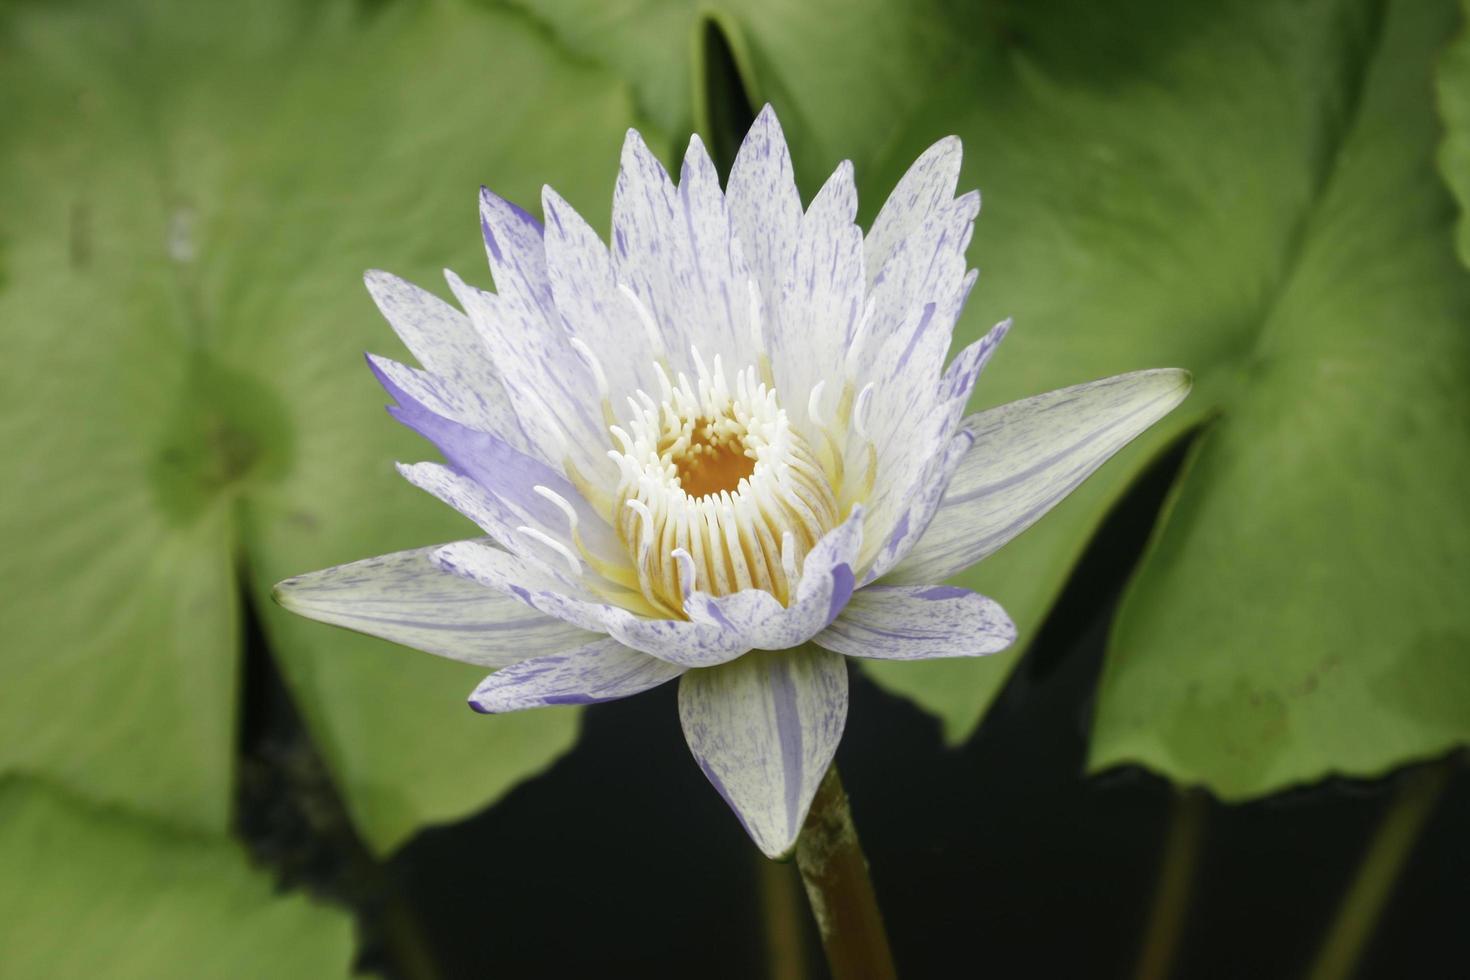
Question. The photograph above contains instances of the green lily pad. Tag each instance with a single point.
(1303, 609)
(188, 199)
(844, 74)
(1242, 190)
(1454, 105)
(88, 893)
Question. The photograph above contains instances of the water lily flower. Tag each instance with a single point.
(727, 449)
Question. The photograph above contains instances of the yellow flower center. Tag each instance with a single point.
(713, 460)
(718, 492)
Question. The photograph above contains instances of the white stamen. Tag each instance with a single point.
(685, 561)
(788, 559)
(580, 346)
(643, 511)
(703, 376)
(555, 545)
(814, 404)
(622, 436)
(665, 387)
(860, 411)
(561, 502)
(650, 326)
(711, 478)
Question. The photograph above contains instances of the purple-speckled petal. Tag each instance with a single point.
(505, 520)
(926, 267)
(809, 329)
(1027, 456)
(765, 208)
(911, 495)
(826, 585)
(459, 378)
(552, 387)
(674, 248)
(919, 623)
(912, 418)
(406, 598)
(511, 476)
(929, 183)
(602, 670)
(764, 729)
(486, 409)
(517, 255)
(591, 306)
(678, 641)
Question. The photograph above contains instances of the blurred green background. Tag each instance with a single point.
(1262, 192)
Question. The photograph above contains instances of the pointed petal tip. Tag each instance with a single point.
(1176, 382)
(765, 130)
(281, 592)
(455, 283)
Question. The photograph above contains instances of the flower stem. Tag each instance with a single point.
(835, 873)
(1384, 859)
(781, 904)
(1187, 812)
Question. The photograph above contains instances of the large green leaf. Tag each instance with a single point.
(1454, 104)
(844, 74)
(1340, 470)
(1242, 190)
(1140, 212)
(189, 194)
(95, 894)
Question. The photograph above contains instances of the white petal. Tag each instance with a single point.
(602, 670)
(485, 408)
(912, 420)
(827, 581)
(919, 623)
(502, 515)
(676, 251)
(440, 336)
(1027, 456)
(517, 254)
(764, 729)
(406, 598)
(913, 478)
(552, 388)
(765, 208)
(821, 299)
(590, 304)
(677, 641)
(929, 182)
(927, 266)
